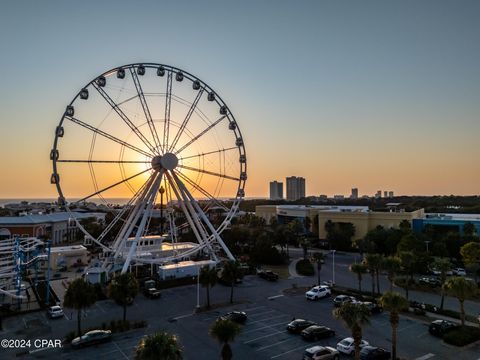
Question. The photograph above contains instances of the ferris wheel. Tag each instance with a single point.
(146, 132)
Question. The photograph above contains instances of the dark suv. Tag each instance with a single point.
(296, 326)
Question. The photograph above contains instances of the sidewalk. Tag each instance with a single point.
(292, 269)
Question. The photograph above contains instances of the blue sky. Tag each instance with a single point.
(368, 94)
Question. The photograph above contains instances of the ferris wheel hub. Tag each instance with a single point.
(167, 161)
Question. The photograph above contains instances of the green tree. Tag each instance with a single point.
(405, 226)
(231, 272)
(159, 346)
(407, 259)
(208, 279)
(354, 316)
(443, 265)
(392, 266)
(394, 303)
(123, 289)
(470, 253)
(469, 229)
(225, 331)
(461, 288)
(374, 263)
(79, 295)
(359, 270)
(318, 257)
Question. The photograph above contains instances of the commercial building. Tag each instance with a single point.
(59, 227)
(354, 194)
(276, 190)
(447, 222)
(295, 188)
(360, 216)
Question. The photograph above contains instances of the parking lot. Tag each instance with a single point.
(263, 336)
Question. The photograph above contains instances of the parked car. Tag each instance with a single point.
(374, 307)
(316, 332)
(374, 353)
(236, 316)
(91, 338)
(55, 312)
(347, 345)
(459, 272)
(430, 281)
(321, 353)
(438, 272)
(151, 293)
(318, 292)
(440, 327)
(341, 299)
(296, 326)
(268, 275)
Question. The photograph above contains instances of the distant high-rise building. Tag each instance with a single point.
(338, 197)
(378, 194)
(276, 190)
(385, 194)
(390, 194)
(354, 193)
(295, 188)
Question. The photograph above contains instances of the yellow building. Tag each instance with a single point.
(360, 216)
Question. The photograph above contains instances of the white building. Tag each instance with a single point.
(276, 190)
(295, 188)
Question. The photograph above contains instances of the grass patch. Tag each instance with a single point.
(462, 336)
(305, 267)
(281, 270)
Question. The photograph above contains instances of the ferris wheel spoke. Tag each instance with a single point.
(202, 190)
(209, 153)
(208, 172)
(204, 217)
(168, 105)
(187, 119)
(146, 110)
(195, 138)
(104, 161)
(124, 117)
(112, 186)
(108, 136)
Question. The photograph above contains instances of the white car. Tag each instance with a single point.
(347, 346)
(318, 292)
(321, 353)
(460, 272)
(55, 312)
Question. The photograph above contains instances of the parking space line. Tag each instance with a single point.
(287, 352)
(280, 342)
(263, 327)
(265, 336)
(118, 347)
(425, 357)
(266, 312)
(254, 308)
(275, 317)
(407, 327)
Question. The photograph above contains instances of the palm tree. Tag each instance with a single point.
(231, 272)
(225, 331)
(392, 266)
(354, 316)
(407, 260)
(159, 346)
(460, 288)
(319, 258)
(123, 289)
(208, 279)
(394, 303)
(443, 265)
(358, 269)
(373, 262)
(80, 295)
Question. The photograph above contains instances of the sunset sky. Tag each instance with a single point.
(367, 94)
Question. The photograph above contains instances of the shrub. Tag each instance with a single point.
(462, 336)
(69, 337)
(305, 267)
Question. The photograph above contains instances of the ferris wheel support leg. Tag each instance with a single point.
(191, 217)
(132, 219)
(150, 200)
(204, 218)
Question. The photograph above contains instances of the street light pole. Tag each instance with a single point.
(198, 288)
(333, 268)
